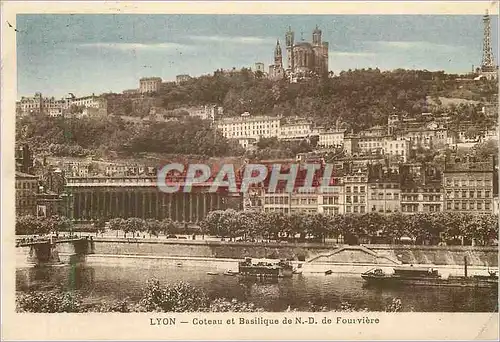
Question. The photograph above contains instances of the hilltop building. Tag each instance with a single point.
(304, 59)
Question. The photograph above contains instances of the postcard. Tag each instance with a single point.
(250, 170)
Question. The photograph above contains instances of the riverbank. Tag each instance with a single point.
(219, 265)
(312, 253)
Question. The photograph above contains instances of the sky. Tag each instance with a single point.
(96, 53)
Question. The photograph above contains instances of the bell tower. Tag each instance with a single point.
(317, 36)
(289, 40)
(278, 58)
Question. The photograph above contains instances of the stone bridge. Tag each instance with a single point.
(54, 251)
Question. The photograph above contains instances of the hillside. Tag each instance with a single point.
(360, 98)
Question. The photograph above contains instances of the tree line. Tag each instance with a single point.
(77, 137)
(133, 226)
(421, 228)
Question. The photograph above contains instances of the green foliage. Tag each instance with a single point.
(28, 224)
(424, 228)
(180, 297)
(49, 302)
(93, 136)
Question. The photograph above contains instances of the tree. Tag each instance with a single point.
(153, 227)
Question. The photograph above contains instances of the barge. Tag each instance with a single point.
(427, 276)
(265, 268)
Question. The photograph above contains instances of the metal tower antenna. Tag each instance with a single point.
(488, 63)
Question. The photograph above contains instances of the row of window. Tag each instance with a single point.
(331, 211)
(350, 179)
(462, 205)
(418, 190)
(468, 182)
(30, 202)
(355, 209)
(386, 186)
(411, 208)
(26, 185)
(426, 198)
(330, 200)
(468, 194)
(355, 189)
(388, 196)
(355, 199)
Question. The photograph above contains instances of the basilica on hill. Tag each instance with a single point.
(304, 59)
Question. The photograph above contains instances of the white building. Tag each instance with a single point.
(331, 199)
(246, 128)
(331, 138)
(398, 148)
(297, 130)
(206, 112)
(150, 84)
(55, 112)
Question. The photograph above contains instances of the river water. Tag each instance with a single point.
(101, 281)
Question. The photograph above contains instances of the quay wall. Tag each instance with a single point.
(311, 253)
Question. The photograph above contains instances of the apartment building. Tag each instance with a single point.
(356, 192)
(149, 84)
(470, 186)
(331, 199)
(247, 128)
(418, 197)
(26, 193)
(295, 130)
(396, 148)
(331, 138)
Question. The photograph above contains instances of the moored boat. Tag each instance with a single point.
(427, 276)
(265, 268)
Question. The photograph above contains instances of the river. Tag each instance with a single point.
(101, 281)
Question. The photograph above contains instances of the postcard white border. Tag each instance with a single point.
(399, 326)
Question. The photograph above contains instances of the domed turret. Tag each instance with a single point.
(317, 36)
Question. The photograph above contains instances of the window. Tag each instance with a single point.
(362, 209)
(456, 205)
(487, 205)
(448, 205)
(348, 199)
(487, 194)
(347, 189)
(464, 205)
(355, 199)
(396, 196)
(479, 206)
(361, 189)
(348, 209)
(355, 189)
(471, 194)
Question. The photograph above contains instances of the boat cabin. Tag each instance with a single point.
(415, 272)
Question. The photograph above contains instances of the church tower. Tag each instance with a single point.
(278, 58)
(317, 36)
(289, 47)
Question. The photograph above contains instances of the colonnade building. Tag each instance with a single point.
(91, 198)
